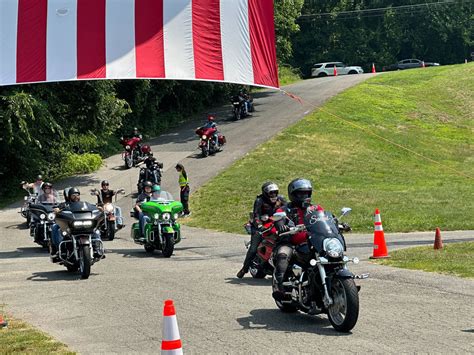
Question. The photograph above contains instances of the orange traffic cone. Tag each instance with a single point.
(373, 68)
(380, 248)
(438, 243)
(3, 322)
(171, 343)
(423, 64)
(335, 71)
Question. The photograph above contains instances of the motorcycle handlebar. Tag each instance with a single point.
(294, 230)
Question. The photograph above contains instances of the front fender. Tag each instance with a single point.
(168, 230)
(344, 274)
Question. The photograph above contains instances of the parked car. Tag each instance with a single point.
(327, 69)
(408, 64)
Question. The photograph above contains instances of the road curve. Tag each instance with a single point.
(118, 310)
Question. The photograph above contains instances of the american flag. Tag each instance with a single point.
(216, 40)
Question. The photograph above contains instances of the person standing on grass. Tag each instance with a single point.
(183, 188)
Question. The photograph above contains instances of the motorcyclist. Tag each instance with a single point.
(266, 203)
(105, 195)
(246, 99)
(299, 193)
(47, 195)
(155, 193)
(212, 124)
(36, 186)
(145, 196)
(149, 162)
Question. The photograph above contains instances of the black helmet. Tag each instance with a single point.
(270, 191)
(147, 183)
(39, 178)
(104, 182)
(299, 191)
(45, 185)
(73, 191)
(66, 194)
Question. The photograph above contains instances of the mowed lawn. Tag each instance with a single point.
(454, 259)
(428, 111)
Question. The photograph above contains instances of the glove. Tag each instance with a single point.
(346, 227)
(283, 228)
(260, 227)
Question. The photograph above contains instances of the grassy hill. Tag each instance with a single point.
(425, 179)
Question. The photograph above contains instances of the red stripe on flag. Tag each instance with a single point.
(149, 45)
(31, 41)
(262, 42)
(91, 39)
(207, 40)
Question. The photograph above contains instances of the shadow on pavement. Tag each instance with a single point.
(18, 226)
(274, 319)
(249, 281)
(26, 252)
(57, 275)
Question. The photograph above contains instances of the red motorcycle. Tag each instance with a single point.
(260, 266)
(207, 143)
(134, 153)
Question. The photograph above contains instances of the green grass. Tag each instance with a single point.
(454, 259)
(429, 111)
(288, 75)
(19, 337)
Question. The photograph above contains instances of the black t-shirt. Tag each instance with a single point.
(106, 196)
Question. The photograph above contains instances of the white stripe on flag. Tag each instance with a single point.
(120, 39)
(8, 29)
(235, 33)
(178, 39)
(61, 40)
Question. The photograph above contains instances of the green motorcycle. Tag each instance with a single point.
(162, 231)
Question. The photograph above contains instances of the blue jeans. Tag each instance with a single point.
(143, 219)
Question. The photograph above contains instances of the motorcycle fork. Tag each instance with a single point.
(327, 300)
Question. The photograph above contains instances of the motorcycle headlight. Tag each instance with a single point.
(51, 216)
(166, 216)
(42, 216)
(333, 247)
(127, 147)
(108, 208)
(156, 216)
(25, 198)
(204, 136)
(175, 216)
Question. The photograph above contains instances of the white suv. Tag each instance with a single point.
(327, 69)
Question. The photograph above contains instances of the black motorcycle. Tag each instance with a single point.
(81, 246)
(319, 281)
(42, 220)
(28, 200)
(152, 173)
(238, 108)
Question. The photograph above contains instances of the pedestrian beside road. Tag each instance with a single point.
(183, 188)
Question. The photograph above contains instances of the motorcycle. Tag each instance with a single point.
(207, 143)
(113, 220)
(28, 200)
(153, 173)
(81, 246)
(42, 219)
(238, 106)
(134, 153)
(319, 280)
(260, 265)
(162, 231)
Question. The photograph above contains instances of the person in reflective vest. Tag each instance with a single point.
(183, 188)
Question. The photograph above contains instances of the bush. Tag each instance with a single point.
(80, 163)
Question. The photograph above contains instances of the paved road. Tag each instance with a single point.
(118, 310)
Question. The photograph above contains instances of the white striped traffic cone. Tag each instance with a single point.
(171, 342)
(380, 248)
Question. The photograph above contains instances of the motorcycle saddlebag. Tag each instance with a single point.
(221, 139)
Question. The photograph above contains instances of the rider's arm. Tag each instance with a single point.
(257, 211)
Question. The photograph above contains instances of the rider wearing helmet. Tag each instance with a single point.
(212, 124)
(145, 196)
(47, 195)
(299, 193)
(267, 204)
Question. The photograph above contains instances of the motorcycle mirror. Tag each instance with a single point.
(278, 216)
(345, 210)
(121, 191)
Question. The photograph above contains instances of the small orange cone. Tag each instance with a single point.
(171, 343)
(380, 248)
(373, 68)
(3, 322)
(438, 243)
(335, 71)
(423, 64)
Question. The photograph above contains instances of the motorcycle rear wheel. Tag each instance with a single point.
(85, 261)
(343, 313)
(284, 307)
(168, 246)
(257, 273)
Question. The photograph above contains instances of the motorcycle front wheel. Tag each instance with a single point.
(110, 233)
(85, 261)
(205, 152)
(128, 162)
(344, 311)
(168, 247)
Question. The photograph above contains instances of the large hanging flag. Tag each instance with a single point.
(217, 40)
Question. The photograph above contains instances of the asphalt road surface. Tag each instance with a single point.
(119, 308)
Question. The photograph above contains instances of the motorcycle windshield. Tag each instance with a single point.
(81, 207)
(51, 198)
(163, 196)
(320, 225)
